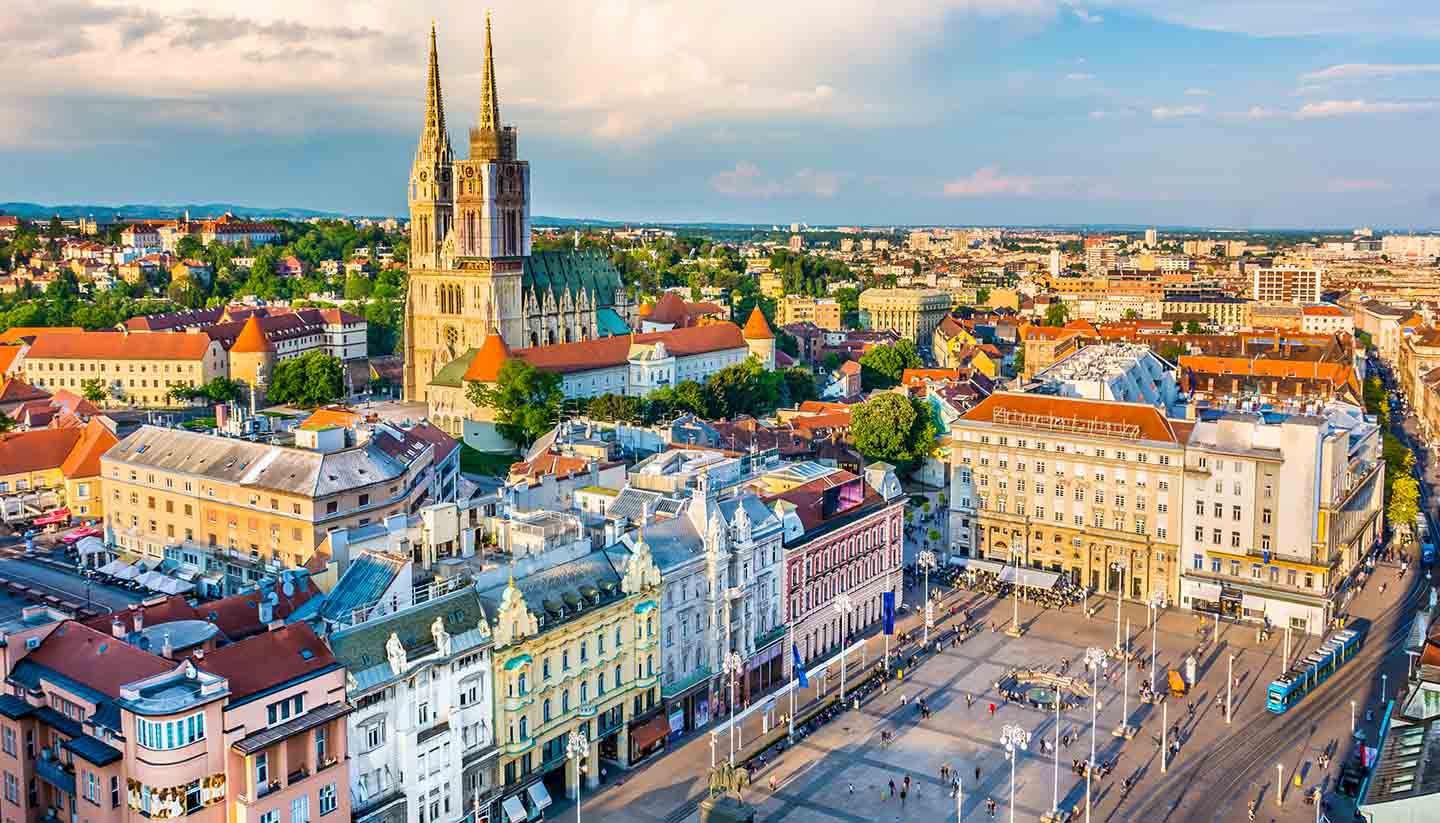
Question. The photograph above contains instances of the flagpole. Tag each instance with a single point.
(793, 664)
(882, 624)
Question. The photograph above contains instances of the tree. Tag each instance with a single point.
(1194, 327)
(1131, 314)
(744, 388)
(1177, 327)
(690, 397)
(800, 385)
(312, 379)
(93, 390)
(1057, 314)
(832, 361)
(6, 422)
(933, 535)
(188, 248)
(882, 366)
(357, 287)
(1404, 500)
(526, 401)
(895, 428)
(1020, 359)
(787, 343)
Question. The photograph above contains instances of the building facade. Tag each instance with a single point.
(133, 369)
(471, 267)
(822, 311)
(1088, 489)
(911, 313)
(1298, 285)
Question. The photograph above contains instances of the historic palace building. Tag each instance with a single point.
(471, 267)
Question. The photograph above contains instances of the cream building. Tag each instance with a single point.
(1083, 488)
(911, 313)
(134, 369)
(822, 311)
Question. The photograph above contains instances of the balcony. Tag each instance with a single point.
(55, 773)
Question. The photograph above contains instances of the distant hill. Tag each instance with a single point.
(151, 211)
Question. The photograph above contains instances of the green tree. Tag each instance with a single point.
(832, 361)
(744, 388)
(526, 401)
(1404, 500)
(1177, 327)
(882, 366)
(800, 385)
(357, 287)
(895, 428)
(1194, 327)
(312, 379)
(1057, 314)
(6, 422)
(188, 248)
(690, 397)
(1131, 314)
(787, 343)
(93, 390)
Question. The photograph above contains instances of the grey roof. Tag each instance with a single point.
(361, 648)
(672, 543)
(561, 592)
(92, 750)
(631, 502)
(260, 740)
(256, 465)
(761, 517)
(367, 578)
(13, 707)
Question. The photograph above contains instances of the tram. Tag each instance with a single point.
(1304, 675)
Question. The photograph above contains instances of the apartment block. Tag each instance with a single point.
(1297, 285)
(134, 369)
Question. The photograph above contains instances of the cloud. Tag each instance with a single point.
(1360, 185)
(988, 181)
(1342, 108)
(1199, 93)
(1079, 77)
(1085, 16)
(746, 180)
(1368, 71)
(1173, 112)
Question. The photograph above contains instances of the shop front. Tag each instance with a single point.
(648, 736)
(1200, 595)
(766, 669)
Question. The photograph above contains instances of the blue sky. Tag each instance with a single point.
(1246, 113)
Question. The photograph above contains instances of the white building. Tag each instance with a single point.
(422, 742)
(1326, 318)
(1124, 372)
(1298, 285)
(1279, 511)
(1411, 246)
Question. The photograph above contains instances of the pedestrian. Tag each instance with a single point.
(852, 788)
(902, 798)
(977, 774)
(892, 788)
(907, 783)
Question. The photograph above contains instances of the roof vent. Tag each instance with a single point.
(306, 654)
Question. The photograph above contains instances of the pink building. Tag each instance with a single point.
(172, 721)
(843, 533)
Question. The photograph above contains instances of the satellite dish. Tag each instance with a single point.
(288, 588)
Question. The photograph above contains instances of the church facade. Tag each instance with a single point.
(472, 270)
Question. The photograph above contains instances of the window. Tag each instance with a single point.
(1235, 568)
(1119, 501)
(1215, 536)
(1198, 562)
(283, 710)
(1235, 513)
(8, 742)
(422, 711)
(300, 809)
(161, 735)
(91, 790)
(322, 745)
(262, 769)
(1235, 540)
(1160, 533)
(1215, 565)
(1265, 516)
(12, 788)
(1199, 533)
(327, 799)
(1219, 510)
(374, 735)
(1265, 542)
(114, 791)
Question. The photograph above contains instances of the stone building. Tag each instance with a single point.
(911, 313)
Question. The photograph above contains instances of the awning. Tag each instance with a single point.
(90, 545)
(113, 567)
(643, 608)
(127, 572)
(517, 661)
(1030, 578)
(1202, 589)
(1250, 601)
(539, 795)
(651, 733)
(514, 809)
(59, 515)
(978, 564)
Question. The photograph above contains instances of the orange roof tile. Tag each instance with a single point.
(252, 339)
(916, 376)
(332, 416)
(1323, 311)
(15, 390)
(1152, 424)
(485, 367)
(670, 308)
(84, 458)
(756, 328)
(268, 659)
(96, 659)
(115, 345)
(14, 333)
(604, 352)
(1336, 373)
(37, 450)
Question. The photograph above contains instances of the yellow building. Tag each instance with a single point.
(575, 649)
(134, 369)
(822, 311)
(233, 507)
(63, 463)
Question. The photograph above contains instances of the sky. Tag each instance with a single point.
(1226, 113)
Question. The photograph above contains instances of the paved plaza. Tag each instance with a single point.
(842, 771)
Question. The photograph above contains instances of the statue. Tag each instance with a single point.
(395, 650)
(728, 780)
(442, 637)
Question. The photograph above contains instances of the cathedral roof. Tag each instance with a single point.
(565, 271)
(452, 374)
(756, 328)
(608, 352)
(670, 308)
(252, 339)
(491, 356)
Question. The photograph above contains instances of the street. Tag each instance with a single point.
(65, 585)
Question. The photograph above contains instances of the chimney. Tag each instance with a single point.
(199, 654)
(117, 629)
(267, 612)
(167, 649)
(139, 618)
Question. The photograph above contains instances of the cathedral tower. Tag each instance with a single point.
(430, 191)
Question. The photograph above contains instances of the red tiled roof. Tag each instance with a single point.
(1324, 311)
(269, 659)
(15, 333)
(756, 328)
(670, 308)
(443, 442)
(607, 352)
(114, 345)
(96, 659)
(824, 406)
(7, 357)
(557, 465)
(910, 376)
(485, 367)
(84, 458)
(1152, 424)
(236, 616)
(36, 450)
(1336, 373)
(332, 416)
(15, 390)
(252, 339)
(829, 420)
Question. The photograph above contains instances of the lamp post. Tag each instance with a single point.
(1095, 660)
(1119, 567)
(844, 606)
(1352, 718)
(1164, 729)
(577, 748)
(926, 560)
(1156, 601)
(1015, 740)
(1229, 685)
(1015, 630)
(959, 797)
(1279, 784)
(733, 666)
(1124, 729)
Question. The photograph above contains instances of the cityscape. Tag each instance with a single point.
(449, 511)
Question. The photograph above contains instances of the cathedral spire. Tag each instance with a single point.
(489, 97)
(434, 139)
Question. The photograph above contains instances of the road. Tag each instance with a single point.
(65, 585)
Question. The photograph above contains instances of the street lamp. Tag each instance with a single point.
(1015, 740)
(1125, 730)
(1119, 567)
(927, 562)
(1156, 601)
(1229, 685)
(733, 667)
(844, 606)
(577, 748)
(1095, 660)
(1015, 630)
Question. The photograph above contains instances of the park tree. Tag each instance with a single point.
(895, 428)
(882, 366)
(1404, 500)
(1057, 314)
(312, 379)
(93, 390)
(800, 385)
(743, 388)
(526, 401)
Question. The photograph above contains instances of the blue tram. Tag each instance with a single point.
(1304, 675)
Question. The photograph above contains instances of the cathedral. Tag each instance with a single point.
(472, 272)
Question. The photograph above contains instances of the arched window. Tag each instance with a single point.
(565, 702)
(584, 693)
(523, 690)
(524, 728)
(546, 713)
